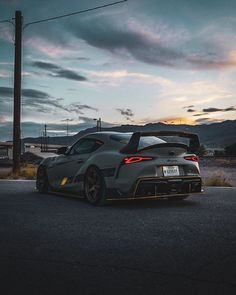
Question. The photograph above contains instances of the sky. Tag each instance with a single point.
(137, 62)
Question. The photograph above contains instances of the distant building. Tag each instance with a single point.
(40, 150)
(211, 152)
(6, 150)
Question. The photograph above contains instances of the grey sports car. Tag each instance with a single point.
(113, 165)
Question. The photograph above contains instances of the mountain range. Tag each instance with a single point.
(211, 135)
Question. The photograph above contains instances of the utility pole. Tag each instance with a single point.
(99, 124)
(17, 94)
(45, 138)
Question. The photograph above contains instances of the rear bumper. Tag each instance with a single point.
(161, 187)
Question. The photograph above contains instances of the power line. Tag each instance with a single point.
(74, 13)
(7, 21)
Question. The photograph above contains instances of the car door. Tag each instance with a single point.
(66, 166)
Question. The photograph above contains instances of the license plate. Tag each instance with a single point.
(170, 170)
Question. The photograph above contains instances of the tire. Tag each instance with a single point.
(178, 198)
(42, 182)
(94, 187)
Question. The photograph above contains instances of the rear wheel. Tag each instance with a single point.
(42, 182)
(94, 186)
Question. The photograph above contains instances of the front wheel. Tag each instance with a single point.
(94, 186)
(42, 183)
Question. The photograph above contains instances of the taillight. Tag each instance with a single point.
(135, 159)
(192, 158)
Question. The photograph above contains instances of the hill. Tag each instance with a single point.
(211, 135)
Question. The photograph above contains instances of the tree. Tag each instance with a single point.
(230, 150)
(201, 151)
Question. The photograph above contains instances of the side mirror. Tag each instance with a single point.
(62, 150)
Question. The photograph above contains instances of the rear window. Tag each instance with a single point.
(149, 140)
(143, 142)
(121, 138)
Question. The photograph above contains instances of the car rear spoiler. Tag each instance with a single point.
(132, 145)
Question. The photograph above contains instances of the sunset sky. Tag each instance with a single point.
(137, 62)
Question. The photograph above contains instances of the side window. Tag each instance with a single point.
(85, 146)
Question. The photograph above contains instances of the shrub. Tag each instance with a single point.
(27, 171)
(218, 178)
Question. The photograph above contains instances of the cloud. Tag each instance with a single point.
(48, 47)
(191, 111)
(200, 120)
(5, 74)
(45, 65)
(208, 120)
(187, 107)
(77, 108)
(39, 101)
(127, 113)
(83, 58)
(200, 114)
(58, 71)
(68, 74)
(122, 39)
(67, 120)
(2, 119)
(131, 39)
(212, 110)
(133, 76)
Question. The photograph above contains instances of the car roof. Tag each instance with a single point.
(105, 136)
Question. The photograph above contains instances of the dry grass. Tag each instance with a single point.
(27, 171)
(218, 178)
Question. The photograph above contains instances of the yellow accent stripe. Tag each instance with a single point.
(64, 180)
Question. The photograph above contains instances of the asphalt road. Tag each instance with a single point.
(53, 245)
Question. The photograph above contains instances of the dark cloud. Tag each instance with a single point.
(6, 91)
(34, 98)
(32, 93)
(123, 40)
(67, 120)
(191, 111)
(41, 101)
(58, 71)
(212, 110)
(187, 107)
(68, 74)
(200, 114)
(77, 107)
(127, 113)
(83, 58)
(230, 109)
(45, 65)
(200, 120)
(29, 93)
(208, 120)
(119, 39)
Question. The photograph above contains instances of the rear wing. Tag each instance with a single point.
(132, 145)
